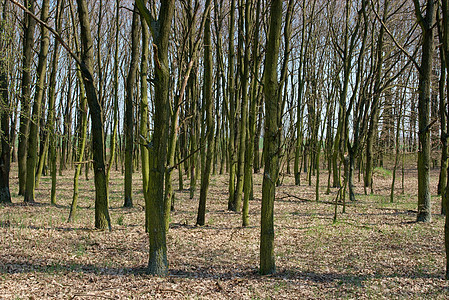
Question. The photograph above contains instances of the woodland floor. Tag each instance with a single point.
(374, 251)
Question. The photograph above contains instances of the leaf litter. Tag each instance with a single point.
(374, 251)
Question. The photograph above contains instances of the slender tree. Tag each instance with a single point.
(143, 119)
(129, 119)
(102, 218)
(231, 111)
(82, 108)
(249, 154)
(425, 74)
(27, 57)
(5, 155)
(244, 68)
(445, 47)
(209, 104)
(271, 140)
(33, 137)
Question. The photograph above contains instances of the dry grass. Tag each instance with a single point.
(374, 251)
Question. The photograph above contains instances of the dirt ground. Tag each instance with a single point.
(375, 250)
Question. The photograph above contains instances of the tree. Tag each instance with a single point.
(27, 57)
(129, 119)
(102, 218)
(425, 74)
(178, 99)
(143, 126)
(243, 70)
(82, 108)
(445, 47)
(374, 116)
(160, 29)
(231, 111)
(250, 141)
(5, 155)
(209, 105)
(271, 140)
(33, 137)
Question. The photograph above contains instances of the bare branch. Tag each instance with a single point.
(394, 40)
(53, 31)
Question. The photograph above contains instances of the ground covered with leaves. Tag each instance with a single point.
(375, 250)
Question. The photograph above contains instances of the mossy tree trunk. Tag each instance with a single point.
(243, 66)
(102, 218)
(129, 115)
(5, 155)
(443, 120)
(271, 140)
(232, 112)
(143, 120)
(160, 29)
(33, 138)
(445, 47)
(425, 74)
(27, 57)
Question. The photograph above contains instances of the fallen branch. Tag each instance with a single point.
(308, 200)
(174, 291)
(91, 295)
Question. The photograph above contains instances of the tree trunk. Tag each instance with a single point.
(244, 18)
(249, 155)
(33, 138)
(271, 140)
(445, 47)
(425, 74)
(231, 93)
(82, 108)
(209, 105)
(51, 116)
(143, 112)
(129, 119)
(113, 151)
(5, 155)
(27, 57)
(443, 121)
(102, 218)
(158, 264)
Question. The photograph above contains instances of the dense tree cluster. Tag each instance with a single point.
(198, 87)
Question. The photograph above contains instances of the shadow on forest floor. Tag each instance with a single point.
(20, 264)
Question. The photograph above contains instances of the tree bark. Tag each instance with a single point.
(231, 117)
(271, 140)
(244, 18)
(158, 264)
(129, 119)
(102, 218)
(27, 57)
(425, 75)
(249, 154)
(445, 47)
(209, 105)
(5, 155)
(143, 112)
(33, 138)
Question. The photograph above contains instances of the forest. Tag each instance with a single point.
(214, 149)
